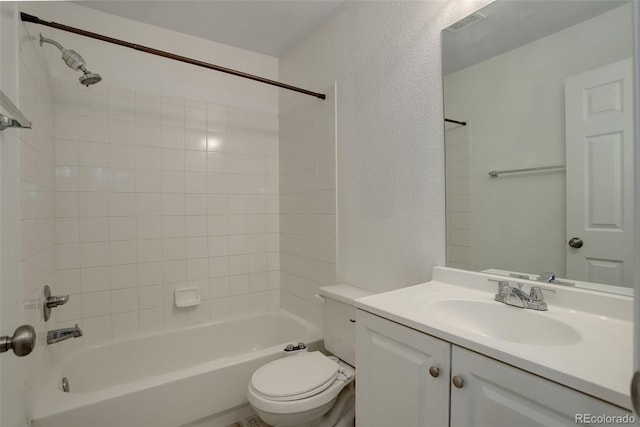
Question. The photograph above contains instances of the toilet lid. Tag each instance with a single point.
(291, 377)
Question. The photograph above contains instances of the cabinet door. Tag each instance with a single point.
(394, 385)
(494, 394)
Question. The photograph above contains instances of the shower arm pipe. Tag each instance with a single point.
(34, 19)
(53, 42)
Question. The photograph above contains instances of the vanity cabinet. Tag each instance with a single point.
(407, 378)
(402, 375)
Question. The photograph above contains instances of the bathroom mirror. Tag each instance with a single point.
(539, 138)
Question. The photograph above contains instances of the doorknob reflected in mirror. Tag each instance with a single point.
(576, 242)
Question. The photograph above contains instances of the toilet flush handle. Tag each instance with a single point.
(321, 298)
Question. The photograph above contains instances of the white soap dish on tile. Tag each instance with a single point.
(186, 297)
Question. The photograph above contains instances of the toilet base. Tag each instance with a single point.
(340, 412)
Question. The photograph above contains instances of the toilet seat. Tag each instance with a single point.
(296, 377)
(323, 393)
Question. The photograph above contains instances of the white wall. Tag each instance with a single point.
(166, 178)
(385, 58)
(514, 104)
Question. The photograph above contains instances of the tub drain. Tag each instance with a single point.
(65, 384)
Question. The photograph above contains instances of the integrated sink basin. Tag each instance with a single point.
(495, 320)
(584, 340)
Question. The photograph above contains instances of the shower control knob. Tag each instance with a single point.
(576, 243)
(434, 372)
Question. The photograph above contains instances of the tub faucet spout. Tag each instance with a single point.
(58, 335)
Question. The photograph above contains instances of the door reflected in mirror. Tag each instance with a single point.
(540, 177)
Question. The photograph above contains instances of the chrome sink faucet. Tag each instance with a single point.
(58, 335)
(515, 296)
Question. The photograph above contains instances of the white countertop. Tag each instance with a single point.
(599, 364)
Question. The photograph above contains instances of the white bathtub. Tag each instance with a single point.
(170, 378)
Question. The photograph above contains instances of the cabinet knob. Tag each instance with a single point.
(457, 382)
(435, 372)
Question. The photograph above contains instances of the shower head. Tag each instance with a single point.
(75, 61)
(90, 78)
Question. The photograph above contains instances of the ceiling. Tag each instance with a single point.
(263, 26)
(506, 25)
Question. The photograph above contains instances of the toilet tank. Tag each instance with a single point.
(339, 320)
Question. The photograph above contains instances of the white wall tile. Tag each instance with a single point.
(66, 204)
(172, 160)
(126, 324)
(67, 282)
(157, 192)
(150, 297)
(95, 279)
(92, 128)
(173, 204)
(93, 154)
(66, 153)
(148, 135)
(96, 329)
(66, 178)
(122, 204)
(124, 300)
(96, 304)
(67, 230)
(173, 115)
(174, 249)
(121, 107)
(148, 181)
(173, 181)
(121, 132)
(124, 276)
(149, 227)
(121, 156)
(93, 179)
(151, 320)
(92, 204)
(94, 229)
(123, 252)
(122, 228)
(150, 273)
(66, 126)
(94, 254)
(147, 110)
(172, 137)
(195, 118)
(148, 204)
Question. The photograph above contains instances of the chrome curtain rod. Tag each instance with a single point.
(495, 174)
(34, 19)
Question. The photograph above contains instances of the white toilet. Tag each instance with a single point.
(309, 388)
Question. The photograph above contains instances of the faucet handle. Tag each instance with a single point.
(51, 302)
(536, 293)
(547, 276)
(503, 286)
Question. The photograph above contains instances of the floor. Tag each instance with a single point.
(252, 421)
